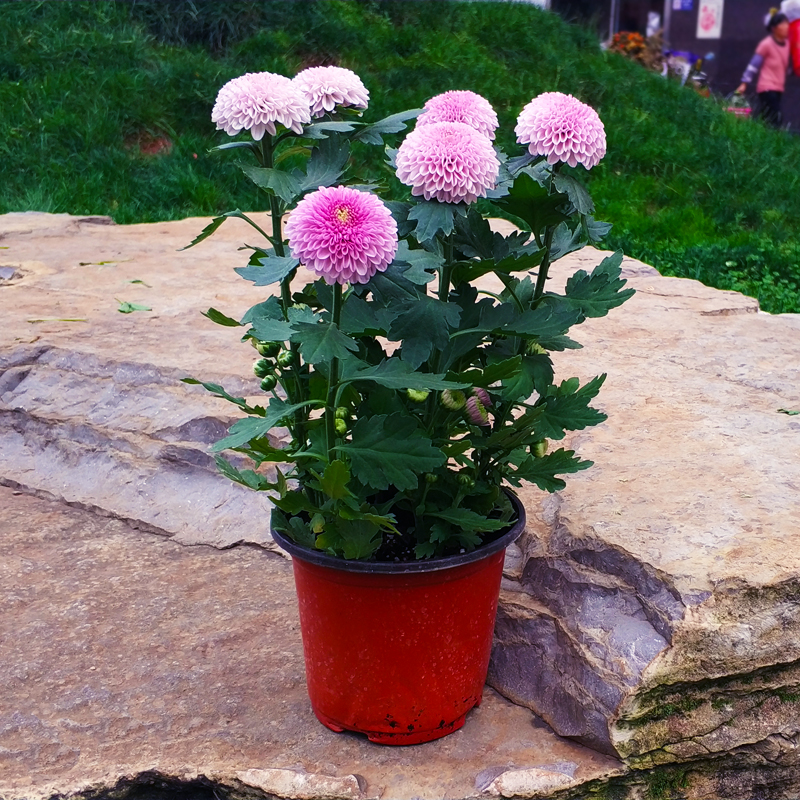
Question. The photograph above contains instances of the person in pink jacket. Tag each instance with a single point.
(771, 63)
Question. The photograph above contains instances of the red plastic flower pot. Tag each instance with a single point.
(398, 651)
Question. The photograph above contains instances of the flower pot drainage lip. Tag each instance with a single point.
(404, 567)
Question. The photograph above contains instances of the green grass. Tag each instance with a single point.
(695, 191)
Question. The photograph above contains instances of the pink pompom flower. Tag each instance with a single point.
(562, 128)
(327, 87)
(255, 101)
(343, 235)
(447, 161)
(461, 106)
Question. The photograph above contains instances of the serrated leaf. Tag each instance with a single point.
(325, 167)
(575, 190)
(265, 268)
(469, 520)
(423, 265)
(535, 375)
(544, 320)
(424, 325)
(396, 374)
(372, 134)
(320, 130)
(596, 231)
(211, 227)
(531, 203)
(389, 451)
(597, 293)
(335, 479)
(565, 241)
(498, 371)
(320, 342)
(357, 538)
(276, 181)
(233, 146)
(220, 318)
(271, 330)
(433, 218)
(270, 309)
(542, 471)
(569, 409)
(243, 430)
(360, 318)
(245, 477)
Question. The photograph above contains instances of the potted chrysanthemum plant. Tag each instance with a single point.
(408, 377)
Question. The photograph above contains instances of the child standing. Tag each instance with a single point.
(771, 61)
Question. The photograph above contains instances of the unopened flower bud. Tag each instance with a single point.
(417, 395)
(285, 358)
(341, 413)
(269, 349)
(340, 426)
(262, 368)
(431, 478)
(466, 481)
(540, 448)
(269, 382)
(453, 399)
(477, 412)
(483, 396)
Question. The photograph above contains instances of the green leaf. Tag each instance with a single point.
(433, 218)
(597, 293)
(565, 241)
(218, 391)
(542, 471)
(390, 451)
(211, 227)
(321, 342)
(569, 409)
(498, 371)
(292, 527)
(221, 319)
(469, 520)
(396, 374)
(576, 192)
(320, 130)
(790, 411)
(544, 320)
(372, 134)
(357, 538)
(596, 231)
(242, 431)
(245, 477)
(531, 203)
(271, 330)
(265, 268)
(423, 265)
(325, 167)
(233, 146)
(128, 308)
(270, 309)
(360, 318)
(424, 325)
(335, 479)
(275, 181)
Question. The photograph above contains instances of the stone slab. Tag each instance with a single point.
(651, 609)
(123, 653)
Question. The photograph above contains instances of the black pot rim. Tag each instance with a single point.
(404, 567)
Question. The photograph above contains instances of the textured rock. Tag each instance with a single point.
(650, 611)
(655, 612)
(125, 656)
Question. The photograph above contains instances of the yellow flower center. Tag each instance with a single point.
(343, 214)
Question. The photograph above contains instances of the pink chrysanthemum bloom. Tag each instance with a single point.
(255, 101)
(447, 161)
(462, 106)
(562, 128)
(343, 235)
(327, 87)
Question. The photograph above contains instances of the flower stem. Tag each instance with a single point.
(333, 378)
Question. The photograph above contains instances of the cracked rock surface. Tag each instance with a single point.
(649, 612)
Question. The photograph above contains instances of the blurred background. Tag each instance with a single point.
(106, 109)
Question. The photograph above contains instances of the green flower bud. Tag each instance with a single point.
(417, 395)
(341, 413)
(262, 368)
(269, 349)
(340, 426)
(269, 382)
(453, 399)
(466, 481)
(286, 358)
(431, 478)
(540, 448)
